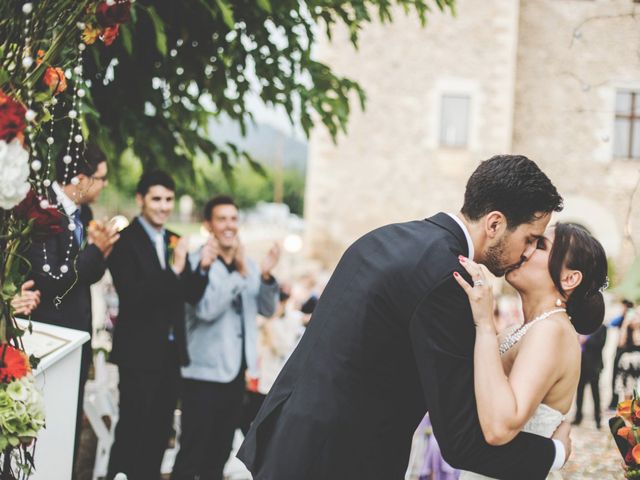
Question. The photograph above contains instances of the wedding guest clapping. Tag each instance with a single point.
(65, 265)
(222, 341)
(153, 280)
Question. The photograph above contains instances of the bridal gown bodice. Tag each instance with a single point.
(543, 422)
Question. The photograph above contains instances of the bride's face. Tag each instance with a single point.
(535, 271)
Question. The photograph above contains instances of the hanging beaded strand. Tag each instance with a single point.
(27, 63)
(70, 164)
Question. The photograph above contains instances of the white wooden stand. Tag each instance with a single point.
(57, 376)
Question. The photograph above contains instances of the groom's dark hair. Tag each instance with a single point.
(513, 185)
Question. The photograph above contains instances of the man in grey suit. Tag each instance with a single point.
(221, 340)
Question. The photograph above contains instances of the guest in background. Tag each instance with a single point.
(616, 322)
(629, 362)
(590, 368)
(153, 280)
(222, 340)
(278, 336)
(65, 266)
(426, 462)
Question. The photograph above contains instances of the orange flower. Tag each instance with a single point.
(624, 409)
(54, 79)
(627, 433)
(173, 241)
(109, 34)
(90, 34)
(39, 56)
(14, 363)
(635, 454)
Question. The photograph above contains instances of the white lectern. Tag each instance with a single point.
(57, 376)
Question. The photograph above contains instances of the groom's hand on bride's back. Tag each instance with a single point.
(563, 434)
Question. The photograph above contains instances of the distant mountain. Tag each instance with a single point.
(263, 142)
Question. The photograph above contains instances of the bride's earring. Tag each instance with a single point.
(558, 303)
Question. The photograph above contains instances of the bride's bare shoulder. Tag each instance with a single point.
(554, 335)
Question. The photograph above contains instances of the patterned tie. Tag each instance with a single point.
(79, 230)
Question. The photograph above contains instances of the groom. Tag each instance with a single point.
(392, 337)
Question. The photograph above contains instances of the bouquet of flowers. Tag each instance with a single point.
(625, 427)
(21, 410)
(23, 218)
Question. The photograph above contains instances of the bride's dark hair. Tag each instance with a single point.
(576, 249)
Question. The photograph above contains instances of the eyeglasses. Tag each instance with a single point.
(102, 178)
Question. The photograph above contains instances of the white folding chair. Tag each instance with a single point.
(100, 404)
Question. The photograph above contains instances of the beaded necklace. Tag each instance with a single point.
(515, 336)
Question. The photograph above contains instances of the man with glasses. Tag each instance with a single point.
(222, 343)
(65, 266)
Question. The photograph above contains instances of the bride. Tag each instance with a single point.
(525, 378)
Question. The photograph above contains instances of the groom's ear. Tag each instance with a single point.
(495, 224)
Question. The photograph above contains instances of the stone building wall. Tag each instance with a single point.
(572, 56)
(536, 88)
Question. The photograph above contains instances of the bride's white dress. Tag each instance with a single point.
(544, 422)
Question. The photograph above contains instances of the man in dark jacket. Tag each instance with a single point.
(590, 369)
(65, 266)
(153, 280)
(392, 337)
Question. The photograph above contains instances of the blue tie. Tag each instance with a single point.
(79, 231)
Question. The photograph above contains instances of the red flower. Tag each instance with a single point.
(14, 363)
(11, 118)
(109, 34)
(46, 221)
(54, 79)
(112, 15)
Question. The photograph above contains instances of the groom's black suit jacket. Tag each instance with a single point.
(391, 338)
(152, 301)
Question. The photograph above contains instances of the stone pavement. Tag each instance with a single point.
(594, 456)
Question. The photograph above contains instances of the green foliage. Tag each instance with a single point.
(178, 63)
(248, 188)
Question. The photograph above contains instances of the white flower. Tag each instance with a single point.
(14, 165)
(17, 391)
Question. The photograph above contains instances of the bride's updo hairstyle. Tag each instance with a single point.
(575, 249)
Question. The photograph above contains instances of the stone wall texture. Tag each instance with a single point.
(542, 77)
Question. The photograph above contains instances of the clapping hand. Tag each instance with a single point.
(270, 261)
(210, 252)
(27, 301)
(480, 293)
(180, 255)
(103, 235)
